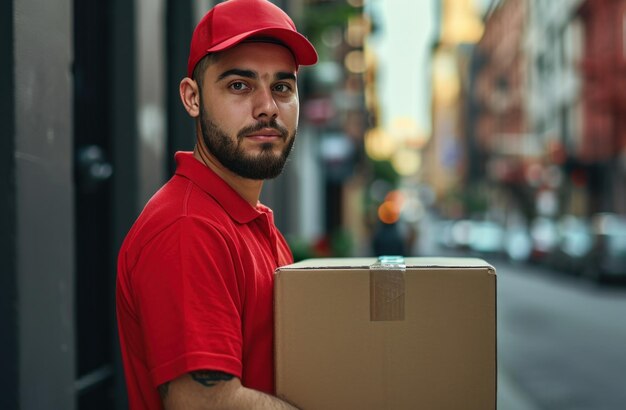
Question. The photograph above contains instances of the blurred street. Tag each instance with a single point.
(561, 339)
(561, 336)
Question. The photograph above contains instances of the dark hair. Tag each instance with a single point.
(203, 64)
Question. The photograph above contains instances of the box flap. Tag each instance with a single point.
(411, 262)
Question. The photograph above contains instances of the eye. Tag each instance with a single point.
(282, 88)
(238, 86)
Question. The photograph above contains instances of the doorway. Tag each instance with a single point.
(95, 268)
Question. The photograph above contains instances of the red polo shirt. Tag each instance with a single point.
(195, 285)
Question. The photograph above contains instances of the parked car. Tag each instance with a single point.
(444, 234)
(574, 245)
(608, 255)
(486, 238)
(454, 234)
(461, 231)
(544, 235)
(518, 243)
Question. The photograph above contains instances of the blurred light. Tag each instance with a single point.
(406, 162)
(576, 236)
(403, 128)
(446, 81)
(556, 152)
(355, 3)
(358, 28)
(461, 23)
(379, 145)
(355, 62)
(417, 141)
(318, 110)
(547, 203)
(609, 224)
(518, 244)
(553, 176)
(406, 130)
(461, 231)
(335, 147)
(327, 73)
(486, 236)
(389, 212)
(427, 195)
(413, 210)
(331, 37)
(544, 234)
(396, 197)
(533, 174)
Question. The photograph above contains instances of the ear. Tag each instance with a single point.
(190, 97)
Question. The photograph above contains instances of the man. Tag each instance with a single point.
(195, 272)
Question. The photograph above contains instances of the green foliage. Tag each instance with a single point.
(475, 201)
(338, 244)
(322, 16)
(341, 243)
(300, 249)
(384, 170)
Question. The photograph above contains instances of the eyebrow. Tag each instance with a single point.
(285, 76)
(281, 75)
(237, 72)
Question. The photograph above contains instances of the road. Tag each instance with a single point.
(561, 341)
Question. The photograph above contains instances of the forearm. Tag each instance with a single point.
(252, 399)
(211, 390)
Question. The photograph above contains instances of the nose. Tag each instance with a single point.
(265, 106)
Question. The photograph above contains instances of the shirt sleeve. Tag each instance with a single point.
(188, 300)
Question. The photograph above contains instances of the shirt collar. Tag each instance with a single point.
(206, 179)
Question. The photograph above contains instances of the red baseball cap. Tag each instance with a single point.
(233, 21)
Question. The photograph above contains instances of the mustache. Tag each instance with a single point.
(273, 124)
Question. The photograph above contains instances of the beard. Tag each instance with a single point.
(231, 154)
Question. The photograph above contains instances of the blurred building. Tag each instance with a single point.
(600, 155)
(546, 115)
(555, 46)
(502, 89)
(576, 105)
(450, 152)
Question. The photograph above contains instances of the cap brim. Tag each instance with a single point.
(300, 47)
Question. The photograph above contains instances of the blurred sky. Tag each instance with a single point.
(405, 37)
(407, 30)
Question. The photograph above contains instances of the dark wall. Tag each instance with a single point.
(39, 212)
(8, 275)
(123, 111)
(44, 200)
(180, 127)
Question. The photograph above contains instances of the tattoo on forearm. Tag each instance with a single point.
(209, 378)
(163, 389)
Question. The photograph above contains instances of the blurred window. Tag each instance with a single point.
(624, 33)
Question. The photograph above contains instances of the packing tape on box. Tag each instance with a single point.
(387, 289)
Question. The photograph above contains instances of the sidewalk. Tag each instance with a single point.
(510, 397)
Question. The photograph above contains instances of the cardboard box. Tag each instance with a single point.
(354, 334)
